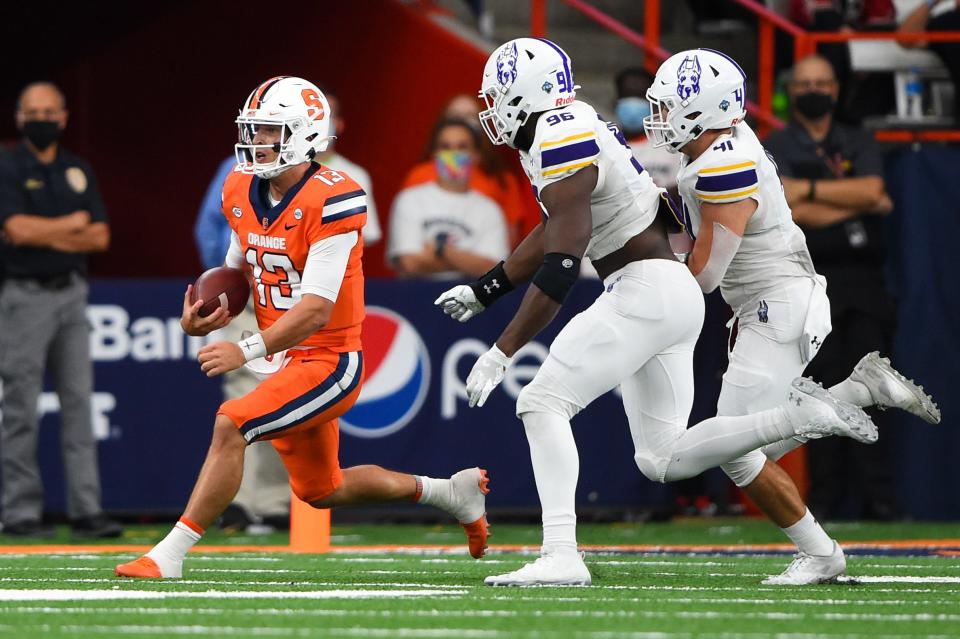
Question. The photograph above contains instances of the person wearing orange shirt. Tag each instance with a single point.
(297, 226)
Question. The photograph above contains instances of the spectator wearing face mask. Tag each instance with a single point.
(493, 175)
(444, 229)
(832, 177)
(630, 109)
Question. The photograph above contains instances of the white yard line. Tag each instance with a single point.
(100, 595)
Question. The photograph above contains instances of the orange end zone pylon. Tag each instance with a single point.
(309, 527)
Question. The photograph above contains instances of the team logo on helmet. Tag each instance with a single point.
(724, 105)
(507, 65)
(547, 87)
(688, 78)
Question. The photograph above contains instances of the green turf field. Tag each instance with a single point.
(439, 594)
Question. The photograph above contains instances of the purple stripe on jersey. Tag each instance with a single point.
(569, 153)
(717, 183)
(566, 64)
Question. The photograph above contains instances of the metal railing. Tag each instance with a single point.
(805, 43)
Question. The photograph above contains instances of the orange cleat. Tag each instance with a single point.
(471, 487)
(143, 567)
(477, 533)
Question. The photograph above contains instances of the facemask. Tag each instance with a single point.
(813, 105)
(41, 133)
(630, 113)
(454, 166)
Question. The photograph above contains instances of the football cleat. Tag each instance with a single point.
(815, 413)
(806, 570)
(143, 567)
(469, 489)
(550, 569)
(889, 388)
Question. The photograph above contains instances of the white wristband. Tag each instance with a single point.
(253, 347)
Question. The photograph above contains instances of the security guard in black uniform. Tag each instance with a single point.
(833, 179)
(52, 217)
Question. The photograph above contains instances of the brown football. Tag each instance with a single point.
(221, 286)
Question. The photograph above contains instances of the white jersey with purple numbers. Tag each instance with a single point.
(774, 249)
(625, 200)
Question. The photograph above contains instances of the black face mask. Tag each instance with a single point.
(814, 105)
(41, 133)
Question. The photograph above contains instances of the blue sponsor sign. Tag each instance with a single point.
(154, 408)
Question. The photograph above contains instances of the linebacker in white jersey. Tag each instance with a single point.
(638, 334)
(748, 245)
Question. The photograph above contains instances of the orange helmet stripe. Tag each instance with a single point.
(257, 95)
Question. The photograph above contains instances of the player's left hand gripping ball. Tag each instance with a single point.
(486, 374)
(220, 357)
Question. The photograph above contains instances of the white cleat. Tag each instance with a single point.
(468, 503)
(550, 569)
(888, 387)
(815, 413)
(806, 570)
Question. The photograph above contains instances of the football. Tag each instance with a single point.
(221, 286)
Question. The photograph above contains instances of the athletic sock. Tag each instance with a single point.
(809, 536)
(169, 553)
(778, 449)
(434, 492)
(556, 466)
(718, 440)
(853, 392)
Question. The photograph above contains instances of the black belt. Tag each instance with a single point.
(55, 282)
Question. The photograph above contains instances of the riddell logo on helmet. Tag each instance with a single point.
(565, 101)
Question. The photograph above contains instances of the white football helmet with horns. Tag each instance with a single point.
(694, 91)
(522, 77)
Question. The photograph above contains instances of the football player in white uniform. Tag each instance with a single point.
(747, 244)
(638, 334)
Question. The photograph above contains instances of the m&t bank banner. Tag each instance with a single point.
(154, 408)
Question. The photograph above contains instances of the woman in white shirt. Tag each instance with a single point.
(443, 229)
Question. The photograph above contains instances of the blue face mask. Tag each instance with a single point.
(630, 113)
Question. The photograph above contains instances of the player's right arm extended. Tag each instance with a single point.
(565, 238)
(464, 301)
(721, 232)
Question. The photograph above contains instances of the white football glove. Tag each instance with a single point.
(460, 303)
(485, 375)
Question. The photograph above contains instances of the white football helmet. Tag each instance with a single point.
(523, 76)
(694, 91)
(302, 112)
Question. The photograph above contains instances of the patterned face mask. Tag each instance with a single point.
(454, 166)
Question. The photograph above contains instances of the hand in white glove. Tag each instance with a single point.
(460, 303)
(486, 374)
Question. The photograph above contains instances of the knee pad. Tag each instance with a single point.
(542, 395)
(653, 467)
(744, 469)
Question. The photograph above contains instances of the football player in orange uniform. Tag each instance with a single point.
(297, 226)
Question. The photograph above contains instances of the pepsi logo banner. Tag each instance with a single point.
(396, 378)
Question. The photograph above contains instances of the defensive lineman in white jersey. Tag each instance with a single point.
(638, 334)
(748, 245)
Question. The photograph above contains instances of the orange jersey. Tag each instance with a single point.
(275, 242)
